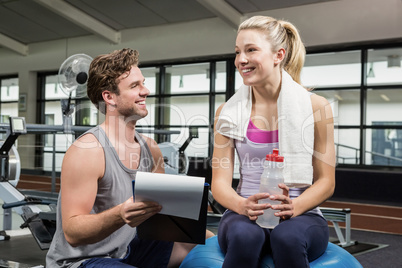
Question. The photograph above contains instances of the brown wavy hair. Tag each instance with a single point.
(104, 72)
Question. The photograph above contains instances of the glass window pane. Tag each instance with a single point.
(189, 110)
(187, 78)
(382, 67)
(219, 99)
(332, 69)
(347, 146)
(63, 141)
(384, 146)
(9, 109)
(345, 105)
(52, 89)
(86, 112)
(384, 106)
(54, 108)
(9, 89)
(48, 161)
(150, 75)
(49, 120)
(220, 81)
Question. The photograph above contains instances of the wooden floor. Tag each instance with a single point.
(368, 217)
(371, 217)
(38, 183)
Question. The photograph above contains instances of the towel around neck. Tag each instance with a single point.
(295, 127)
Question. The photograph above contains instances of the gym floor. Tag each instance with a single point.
(24, 250)
(375, 228)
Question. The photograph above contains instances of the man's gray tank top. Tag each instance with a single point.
(114, 188)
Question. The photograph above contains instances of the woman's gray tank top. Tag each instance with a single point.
(113, 189)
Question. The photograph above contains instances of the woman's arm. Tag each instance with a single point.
(323, 159)
(222, 176)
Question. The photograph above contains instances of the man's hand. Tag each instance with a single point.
(135, 213)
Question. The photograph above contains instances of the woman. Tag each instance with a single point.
(269, 57)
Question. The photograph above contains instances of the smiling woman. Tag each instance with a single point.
(269, 58)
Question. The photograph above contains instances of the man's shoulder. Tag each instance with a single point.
(148, 140)
(88, 142)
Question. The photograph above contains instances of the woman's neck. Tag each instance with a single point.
(269, 90)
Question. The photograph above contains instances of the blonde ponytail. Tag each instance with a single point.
(296, 52)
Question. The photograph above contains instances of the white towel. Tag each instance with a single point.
(295, 127)
(235, 114)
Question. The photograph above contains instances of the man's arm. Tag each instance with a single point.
(83, 165)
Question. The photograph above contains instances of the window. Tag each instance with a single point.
(53, 103)
(367, 108)
(186, 102)
(383, 107)
(333, 69)
(363, 86)
(187, 78)
(188, 97)
(9, 96)
(49, 138)
(345, 105)
(384, 67)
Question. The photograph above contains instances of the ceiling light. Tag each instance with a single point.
(394, 61)
(384, 97)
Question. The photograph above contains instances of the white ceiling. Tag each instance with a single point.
(23, 22)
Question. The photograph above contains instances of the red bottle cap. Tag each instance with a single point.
(279, 158)
(275, 151)
(269, 157)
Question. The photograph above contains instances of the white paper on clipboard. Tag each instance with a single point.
(178, 195)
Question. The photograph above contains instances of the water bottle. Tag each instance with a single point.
(270, 178)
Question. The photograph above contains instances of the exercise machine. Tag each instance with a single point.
(40, 222)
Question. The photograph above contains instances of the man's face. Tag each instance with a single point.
(133, 93)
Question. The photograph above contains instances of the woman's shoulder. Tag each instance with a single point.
(318, 101)
(218, 111)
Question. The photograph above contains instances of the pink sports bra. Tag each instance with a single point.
(257, 135)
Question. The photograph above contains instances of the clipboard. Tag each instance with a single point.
(178, 229)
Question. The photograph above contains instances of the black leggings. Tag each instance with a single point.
(293, 243)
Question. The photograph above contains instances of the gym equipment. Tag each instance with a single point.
(17, 127)
(336, 215)
(210, 255)
(174, 155)
(40, 223)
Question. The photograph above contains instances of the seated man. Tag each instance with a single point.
(97, 215)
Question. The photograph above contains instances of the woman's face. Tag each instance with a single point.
(255, 60)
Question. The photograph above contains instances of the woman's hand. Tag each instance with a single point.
(286, 207)
(251, 208)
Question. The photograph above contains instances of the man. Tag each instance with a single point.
(96, 213)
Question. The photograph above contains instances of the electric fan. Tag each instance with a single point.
(73, 75)
(72, 80)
